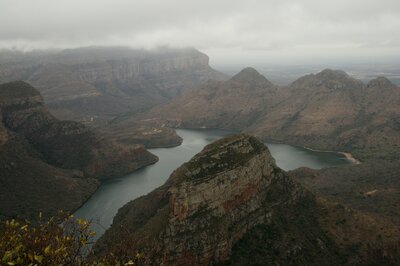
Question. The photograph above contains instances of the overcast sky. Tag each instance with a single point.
(229, 31)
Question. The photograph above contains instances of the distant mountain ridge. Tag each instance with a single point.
(327, 110)
(234, 104)
(94, 84)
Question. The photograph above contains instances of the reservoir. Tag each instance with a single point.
(113, 194)
(290, 157)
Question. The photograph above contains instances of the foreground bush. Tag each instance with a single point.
(61, 240)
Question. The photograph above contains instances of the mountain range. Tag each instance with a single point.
(94, 84)
(329, 111)
(230, 204)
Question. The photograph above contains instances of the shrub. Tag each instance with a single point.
(60, 240)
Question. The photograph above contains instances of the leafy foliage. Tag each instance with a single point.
(61, 240)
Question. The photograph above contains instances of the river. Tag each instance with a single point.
(113, 194)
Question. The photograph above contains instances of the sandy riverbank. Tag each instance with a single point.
(348, 155)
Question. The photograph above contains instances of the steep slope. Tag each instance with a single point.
(319, 107)
(133, 132)
(48, 164)
(94, 84)
(234, 104)
(29, 185)
(66, 144)
(331, 110)
(372, 187)
(380, 132)
(231, 203)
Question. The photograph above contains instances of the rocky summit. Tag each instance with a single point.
(231, 204)
(250, 75)
(48, 164)
(235, 104)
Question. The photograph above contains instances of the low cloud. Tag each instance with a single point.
(273, 30)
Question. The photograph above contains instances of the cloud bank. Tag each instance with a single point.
(228, 30)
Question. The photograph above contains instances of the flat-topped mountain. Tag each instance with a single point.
(48, 164)
(329, 110)
(94, 84)
(231, 204)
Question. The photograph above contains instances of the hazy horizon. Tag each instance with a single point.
(231, 32)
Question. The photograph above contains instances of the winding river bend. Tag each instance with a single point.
(113, 194)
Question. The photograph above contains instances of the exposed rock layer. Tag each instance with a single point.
(94, 84)
(232, 192)
(48, 164)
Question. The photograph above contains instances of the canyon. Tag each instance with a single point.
(230, 203)
(98, 86)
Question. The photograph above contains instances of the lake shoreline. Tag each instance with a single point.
(347, 155)
(114, 193)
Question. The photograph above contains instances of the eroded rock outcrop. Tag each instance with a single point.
(216, 198)
(207, 204)
(66, 144)
(47, 164)
(231, 204)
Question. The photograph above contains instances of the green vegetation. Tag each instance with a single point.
(293, 237)
(60, 240)
(222, 155)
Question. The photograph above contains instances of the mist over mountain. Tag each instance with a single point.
(95, 84)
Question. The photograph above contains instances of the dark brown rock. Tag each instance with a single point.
(48, 164)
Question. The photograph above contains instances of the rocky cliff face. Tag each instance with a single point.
(94, 84)
(29, 184)
(67, 144)
(207, 204)
(216, 198)
(41, 153)
(229, 192)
